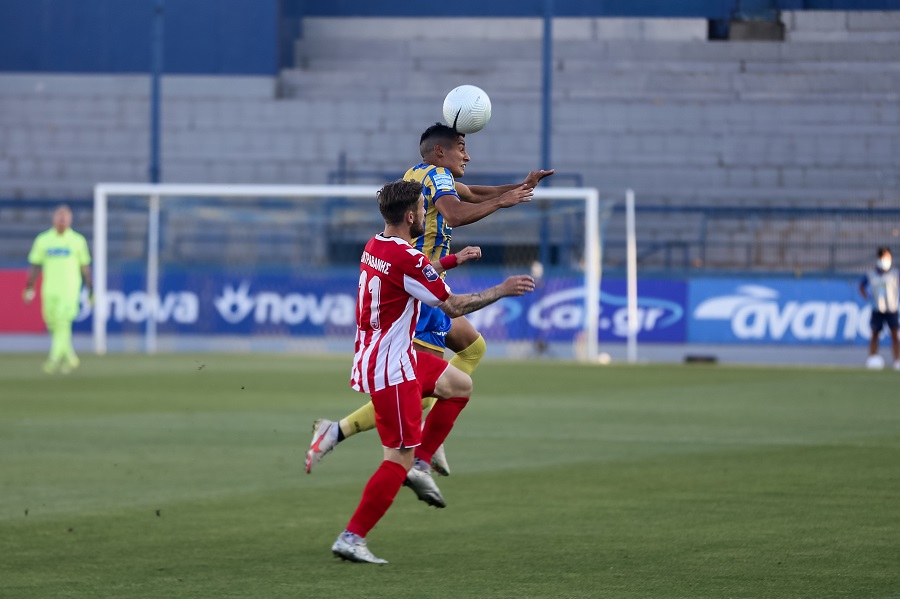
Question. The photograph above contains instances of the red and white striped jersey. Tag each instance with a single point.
(393, 278)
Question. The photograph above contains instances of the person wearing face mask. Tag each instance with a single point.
(881, 288)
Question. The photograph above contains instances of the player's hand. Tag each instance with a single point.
(28, 295)
(471, 252)
(522, 193)
(517, 285)
(535, 177)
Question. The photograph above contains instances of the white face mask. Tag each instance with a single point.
(884, 263)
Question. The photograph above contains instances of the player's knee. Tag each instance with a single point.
(403, 456)
(463, 386)
(453, 383)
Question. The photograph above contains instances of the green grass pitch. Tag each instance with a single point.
(182, 476)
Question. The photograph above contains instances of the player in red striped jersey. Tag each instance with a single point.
(395, 278)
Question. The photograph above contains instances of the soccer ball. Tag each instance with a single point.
(875, 362)
(467, 108)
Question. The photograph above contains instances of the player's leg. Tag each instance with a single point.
(438, 378)
(399, 425)
(453, 388)
(50, 311)
(67, 314)
(876, 323)
(467, 343)
(378, 496)
(895, 347)
(328, 433)
(431, 337)
(873, 343)
(469, 348)
(894, 325)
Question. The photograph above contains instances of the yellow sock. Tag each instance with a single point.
(427, 402)
(359, 421)
(468, 359)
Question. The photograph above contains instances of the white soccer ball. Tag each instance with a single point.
(467, 108)
(875, 362)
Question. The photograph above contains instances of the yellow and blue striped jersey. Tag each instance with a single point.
(437, 182)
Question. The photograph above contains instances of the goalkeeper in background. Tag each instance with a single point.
(63, 257)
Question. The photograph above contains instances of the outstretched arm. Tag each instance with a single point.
(475, 194)
(460, 305)
(458, 213)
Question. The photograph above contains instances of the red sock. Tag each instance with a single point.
(377, 497)
(438, 425)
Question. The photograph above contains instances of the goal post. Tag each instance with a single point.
(156, 198)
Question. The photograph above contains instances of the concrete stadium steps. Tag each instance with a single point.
(797, 123)
(764, 244)
(311, 54)
(812, 123)
(727, 52)
(597, 68)
(67, 140)
(295, 140)
(837, 26)
(464, 30)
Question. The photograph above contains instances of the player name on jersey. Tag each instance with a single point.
(376, 263)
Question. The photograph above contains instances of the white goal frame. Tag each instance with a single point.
(156, 193)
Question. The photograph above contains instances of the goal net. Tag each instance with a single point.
(248, 268)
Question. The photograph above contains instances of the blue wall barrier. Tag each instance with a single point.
(253, 37)
(708, 9)
(113, 36)
(514, 8)
(703, 310)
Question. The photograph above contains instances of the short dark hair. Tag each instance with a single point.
(435, 134)
(397, 198)
(883, 250)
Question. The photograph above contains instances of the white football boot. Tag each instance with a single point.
(353, 548)
(325, 434)
(439, 462)
(420, 481)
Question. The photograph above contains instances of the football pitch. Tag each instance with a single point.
(182, 476)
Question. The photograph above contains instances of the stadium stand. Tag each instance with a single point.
(651, 104)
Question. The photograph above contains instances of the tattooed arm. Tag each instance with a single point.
(459, 305)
